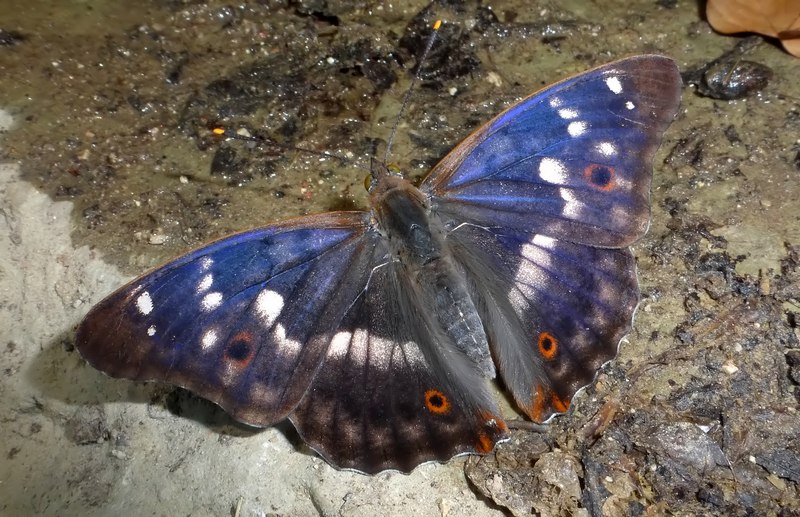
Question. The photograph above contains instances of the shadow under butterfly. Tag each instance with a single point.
(377, 333)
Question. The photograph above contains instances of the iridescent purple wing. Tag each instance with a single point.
(573, 161)
(536, 201)
(245, 321)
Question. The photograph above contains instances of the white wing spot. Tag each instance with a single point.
(151, 330)
(606, 148)
(572, 207)
(286, 345)
(576, 128)
(555, 102)
(530, 273)
(144, 303)
(340, 344)
(269, 305)
(531, 269)
(360, 347)
(552, 171)
(568, 113)
(211, 301)
(543, 241)
(205, 283)
(409, 353)
(209, 339)
(614, 84)
(630, 105)
(206, 263)
(381, 351)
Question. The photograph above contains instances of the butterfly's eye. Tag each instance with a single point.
(395, 169)
(367, 182)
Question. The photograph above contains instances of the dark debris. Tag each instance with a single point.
(730, 76)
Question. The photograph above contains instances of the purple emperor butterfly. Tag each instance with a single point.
(377, 333)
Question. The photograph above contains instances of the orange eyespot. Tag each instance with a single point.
(240, 349)
(548, 345)
(600, 176)
(218, 131)
(437, 402)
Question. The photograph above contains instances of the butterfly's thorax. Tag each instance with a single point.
(402, 215)
(417, 241)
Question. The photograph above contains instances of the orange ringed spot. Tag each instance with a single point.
(599, 176)
(240, 349)
(548, 345)
(218, 131)
(437, 402)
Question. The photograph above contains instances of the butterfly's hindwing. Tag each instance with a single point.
(573, 161)
(393, 392)
(555, 311)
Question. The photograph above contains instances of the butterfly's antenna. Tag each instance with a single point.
(431, 39)
(227, 133)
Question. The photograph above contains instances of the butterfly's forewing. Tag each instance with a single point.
(245, 321)
(573, 161)
(536, 200)
(394, 392)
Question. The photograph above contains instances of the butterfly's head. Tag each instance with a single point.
(379, 171)
(386, 184)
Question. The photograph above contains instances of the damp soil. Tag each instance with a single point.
(111, 167)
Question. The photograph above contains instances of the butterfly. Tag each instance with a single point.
(377, 333)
